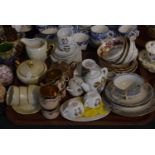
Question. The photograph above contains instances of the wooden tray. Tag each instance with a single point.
(110, 120)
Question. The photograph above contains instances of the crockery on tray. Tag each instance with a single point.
(30, 71)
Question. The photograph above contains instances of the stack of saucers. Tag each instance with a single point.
(118, 54)
(130, 96)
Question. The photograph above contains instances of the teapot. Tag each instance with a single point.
(36, 48)
(96, 79)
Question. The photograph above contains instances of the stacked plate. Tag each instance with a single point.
(74, 55)
(136, 105)
(118, 54)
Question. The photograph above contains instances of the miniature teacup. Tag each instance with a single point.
(150, 47)
(76, 86)
(74, 108)
(92, 99)
(2, 93)
(127, 85)
(100, 32)
(129, 31)
(81, 39)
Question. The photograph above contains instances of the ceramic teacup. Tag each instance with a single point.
(2, 93)
(49, 96)
(65, 40)
(150, 47)
(129, 31)
(74, 108)
(127, 85)
(92, 99)
(81, 39)
(100, 32)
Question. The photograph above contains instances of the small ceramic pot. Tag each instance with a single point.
(6, 75)
(2, 93)
(81, 39)
(6, 51)
(76, 86)
(50, 114)
(30, 71)
(127, 85)
(36, 48)
(12, 97)
(74, 108)
(92, 99)
(150, 47)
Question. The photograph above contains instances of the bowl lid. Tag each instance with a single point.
(32, 68)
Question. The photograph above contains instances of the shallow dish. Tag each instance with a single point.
(85, 119)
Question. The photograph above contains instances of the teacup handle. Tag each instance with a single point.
(110, 34)
(50, 49)
(105, 71)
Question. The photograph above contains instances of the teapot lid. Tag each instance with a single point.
(32, 67)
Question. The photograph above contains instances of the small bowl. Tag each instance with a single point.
(12, 97)
(50, 114)
(23, 95)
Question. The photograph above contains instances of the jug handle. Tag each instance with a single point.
(50, 49)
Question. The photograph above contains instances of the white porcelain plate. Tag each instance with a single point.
(83, 119)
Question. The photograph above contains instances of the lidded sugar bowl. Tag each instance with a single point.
(30, 71)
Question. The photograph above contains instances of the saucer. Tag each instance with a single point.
(27, 109)
(147, 93)
(104, 113)
(150, 66)
(134, 111)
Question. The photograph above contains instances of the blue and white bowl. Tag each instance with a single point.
(81, 39)
(99, 33)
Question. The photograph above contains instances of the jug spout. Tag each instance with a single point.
(26, 41)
